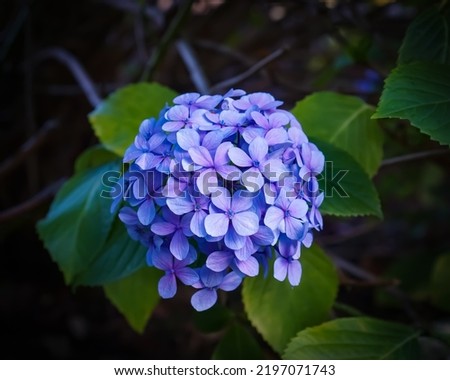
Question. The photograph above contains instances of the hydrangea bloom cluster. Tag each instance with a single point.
(218, 184)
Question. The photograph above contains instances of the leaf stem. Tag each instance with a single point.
(414, 156)
(171, 32)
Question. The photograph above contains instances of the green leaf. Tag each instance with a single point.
(119, 257)
(136, 296)
(419, 92)
(279, 311)
(344, 121)
(92, 157)
(440, 283)
(88, 242)
(354, 338)
(116, 120)
(79, 221)
(427, 38)
(238, 344)
(348, 189)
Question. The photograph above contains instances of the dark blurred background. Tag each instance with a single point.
(288, 48)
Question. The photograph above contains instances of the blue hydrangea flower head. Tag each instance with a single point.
(217, 186)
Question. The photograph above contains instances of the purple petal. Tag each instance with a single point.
(185, 224)
(250, 133)
(247, 250)
(204, 299)
(179, 245)
(198, 223)
(280, 269)
(177, 113)
(230, 282)
(276, 136)
(229, 172)
(167, 286)
(308, 240)
(252, 179)
(260, 120)
(207, 181)
(274, 169)
(297, 136)
(145, 161)
(201, 156)
(156, 140)
(218, 261)
(188, 138)
(162, 228)
(241, 201)
(239, 157)
(128, 216)
(278, 119)
(250, 267)
(288, 248)
(295, 228)
(208, 101)
(233, 240)
(173, 126)
(212, 140)
(162, 259)
(221, 156)
(245, 223)
(298, 208)
(187, 276)
(186, 99)
(221, 199)
(146, 212)
(216, 224)
(264, 236)
(180, 205)
(273, 217)
(294, 272)
(258, 149)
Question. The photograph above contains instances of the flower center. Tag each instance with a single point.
(230, 214)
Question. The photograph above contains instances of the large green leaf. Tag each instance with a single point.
(79, 221)
(343, 121)
(116, 120)
(136, 296)
(354, 338)
(119, 257)
(440, 283)
(427, 38)
(238, 344)
(348, 189)
(420, 93)
(279, 311)
(92, 157)
(89, 243)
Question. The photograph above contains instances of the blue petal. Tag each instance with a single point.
(167, 286)
(204, 299)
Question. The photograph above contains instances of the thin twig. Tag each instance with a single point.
(32, 168)
(32, 203)
(391, 289)
(248, 73)
(80, 74)
(414, 156)
(195, 70)
(29, 147)
(171, 32)
(224, 50)
(152, 13)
